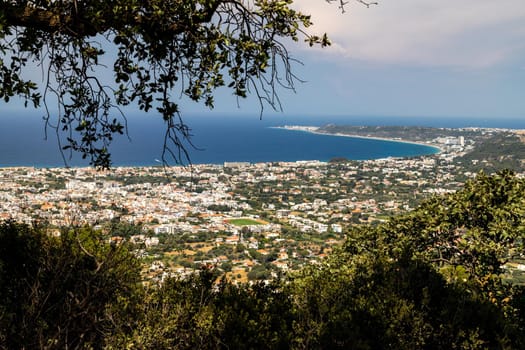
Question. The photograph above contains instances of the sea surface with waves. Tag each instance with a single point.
(220, 138)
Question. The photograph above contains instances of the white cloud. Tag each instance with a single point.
(467, 33)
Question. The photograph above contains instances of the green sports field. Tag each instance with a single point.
(244, 222)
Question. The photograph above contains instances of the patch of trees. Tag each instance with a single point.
(219, 207)
(434, 278)
(72, 291)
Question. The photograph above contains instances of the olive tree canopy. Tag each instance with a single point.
(159, 51)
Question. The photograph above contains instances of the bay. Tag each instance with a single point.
(221, 138)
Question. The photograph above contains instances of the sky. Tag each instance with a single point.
(421, 58)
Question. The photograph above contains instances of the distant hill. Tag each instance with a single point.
(409, 133)
(501, 150)
(493, 149)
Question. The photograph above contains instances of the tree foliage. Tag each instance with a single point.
(157, 52)
(67, 292)
(203, 313)
(432, 278)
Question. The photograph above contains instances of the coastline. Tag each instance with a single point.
(314, 130)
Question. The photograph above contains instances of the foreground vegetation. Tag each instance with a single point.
(436, 277)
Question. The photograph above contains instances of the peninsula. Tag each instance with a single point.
(358, 133)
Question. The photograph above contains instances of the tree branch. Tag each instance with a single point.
(161, 45)
(73, 21)
(48, 21)
(343, 3)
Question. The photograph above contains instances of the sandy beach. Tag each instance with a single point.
(315, 130)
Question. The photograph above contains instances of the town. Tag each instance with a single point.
(250, 221)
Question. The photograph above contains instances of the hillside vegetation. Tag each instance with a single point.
(434, 278)
(501, 150)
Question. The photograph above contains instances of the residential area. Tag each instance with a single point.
(251, 221)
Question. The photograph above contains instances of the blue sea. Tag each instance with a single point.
(222, 138)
